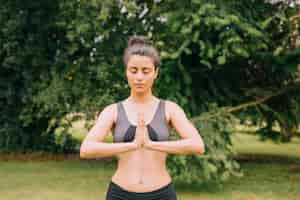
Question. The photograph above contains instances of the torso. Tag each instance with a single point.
(142, 170)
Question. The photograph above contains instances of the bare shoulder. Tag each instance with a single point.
(179, 120)
(109, 112)
(173, 112)
(103, 124)
(172, 107)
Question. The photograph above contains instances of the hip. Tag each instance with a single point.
(117, 192)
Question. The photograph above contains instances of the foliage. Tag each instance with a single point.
(63, 57)
(26, 55)
(217, 165)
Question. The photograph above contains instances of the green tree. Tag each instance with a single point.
(222, 60)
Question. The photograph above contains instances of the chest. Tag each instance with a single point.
(126, 123)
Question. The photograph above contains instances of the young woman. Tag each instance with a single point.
(140, 126)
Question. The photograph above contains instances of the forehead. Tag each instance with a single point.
(140, 61)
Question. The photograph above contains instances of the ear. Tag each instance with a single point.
(156, 73)
(125, 71)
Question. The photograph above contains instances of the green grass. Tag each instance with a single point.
(251, 145)
(70, 179)
(84, 179)
(272, 173)
(262, 181)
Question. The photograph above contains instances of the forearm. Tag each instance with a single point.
(182, 146)
(101, 149)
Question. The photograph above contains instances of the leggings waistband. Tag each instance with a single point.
(115, 191)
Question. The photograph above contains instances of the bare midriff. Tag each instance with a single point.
(142, 170)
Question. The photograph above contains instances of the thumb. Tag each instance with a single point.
(141, 121)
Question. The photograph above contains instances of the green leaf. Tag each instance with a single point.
(206, 63)
(221, 60)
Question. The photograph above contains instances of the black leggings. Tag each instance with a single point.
(115, 192)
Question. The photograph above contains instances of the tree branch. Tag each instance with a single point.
(224, 110)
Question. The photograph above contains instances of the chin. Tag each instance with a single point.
(140, 90)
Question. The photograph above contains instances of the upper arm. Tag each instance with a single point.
(180, 122)
(103, 124)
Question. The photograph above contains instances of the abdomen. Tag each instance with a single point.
(142, 170)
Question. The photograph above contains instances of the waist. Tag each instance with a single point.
(141, 181)
(157, 190)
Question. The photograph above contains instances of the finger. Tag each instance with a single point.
(141, 120)
(138, 119)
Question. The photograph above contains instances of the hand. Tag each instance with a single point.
(141, 135)
(144, 130)
(140, 131)
(147, 141)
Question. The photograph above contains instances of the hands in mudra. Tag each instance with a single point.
(142, 138)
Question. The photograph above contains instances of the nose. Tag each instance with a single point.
(139, 76)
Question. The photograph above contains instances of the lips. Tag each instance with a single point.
(139, 85)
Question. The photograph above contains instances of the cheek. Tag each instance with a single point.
(130, 79)
(128, 76)
(150, 79)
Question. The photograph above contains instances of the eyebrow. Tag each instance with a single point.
(146, 67)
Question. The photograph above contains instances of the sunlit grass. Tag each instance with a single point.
(88, 179)
(272, 174)
(251, 145)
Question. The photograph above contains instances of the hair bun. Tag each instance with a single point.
(138, 40)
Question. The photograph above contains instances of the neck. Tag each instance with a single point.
(140, 98)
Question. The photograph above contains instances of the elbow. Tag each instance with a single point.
(200, 148)
(87, 151)
(83, 153)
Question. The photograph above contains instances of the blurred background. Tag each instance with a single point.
(234, 66)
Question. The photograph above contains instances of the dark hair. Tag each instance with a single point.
(141, 45)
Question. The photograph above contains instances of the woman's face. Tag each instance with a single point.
(141, 73)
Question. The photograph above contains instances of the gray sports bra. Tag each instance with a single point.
(158, 128)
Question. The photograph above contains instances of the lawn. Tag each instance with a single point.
(271, 172)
